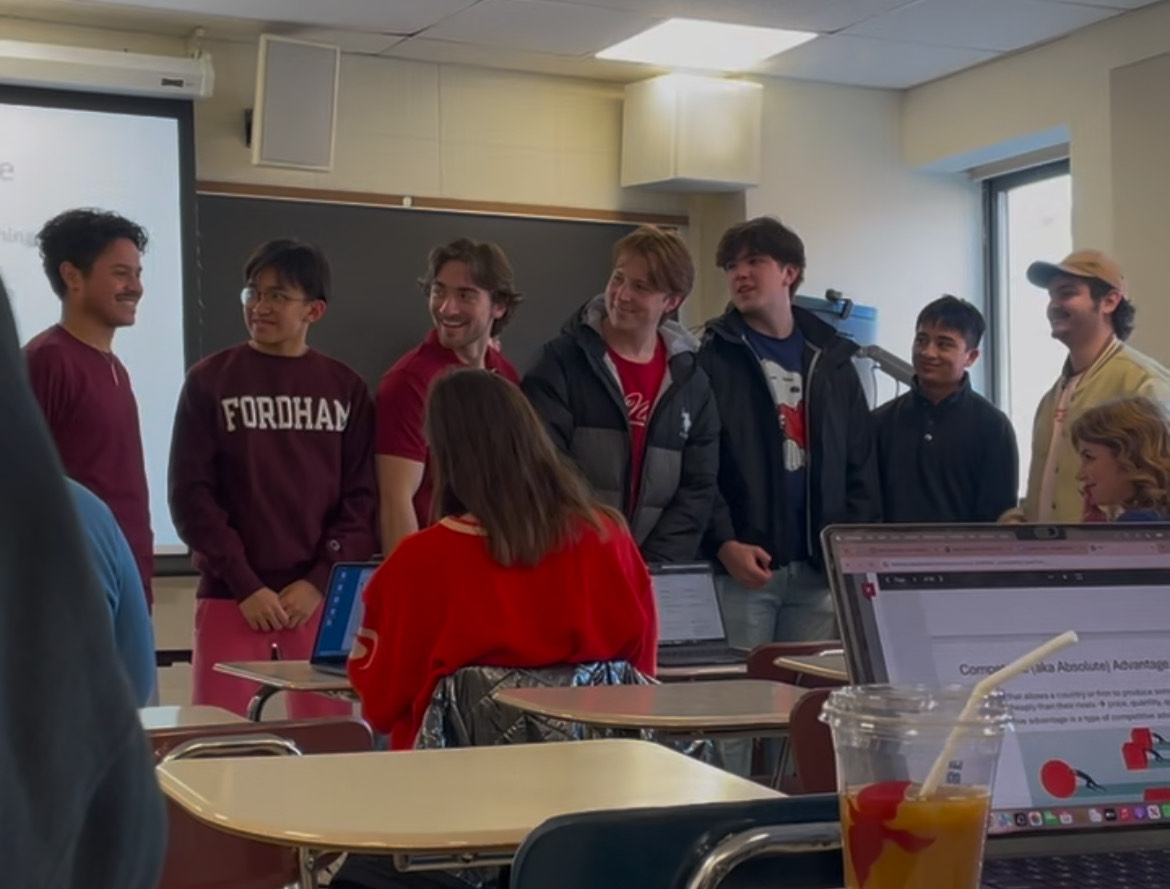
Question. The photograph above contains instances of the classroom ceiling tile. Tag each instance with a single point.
(447, 52)
(823, 16)
(540, 26)
(886, 43)
(999, 25)
(862, 61)
(395, 16)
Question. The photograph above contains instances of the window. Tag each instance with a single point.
(1028, 217)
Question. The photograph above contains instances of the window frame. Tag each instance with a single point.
(995, 192)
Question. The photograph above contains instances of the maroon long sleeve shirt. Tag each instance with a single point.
(89, 405)
(272, 470)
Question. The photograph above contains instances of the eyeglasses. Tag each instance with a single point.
(250, 296)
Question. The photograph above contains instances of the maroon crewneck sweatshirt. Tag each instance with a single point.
(272, 470)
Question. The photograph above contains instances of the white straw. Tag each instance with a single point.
(982, 689)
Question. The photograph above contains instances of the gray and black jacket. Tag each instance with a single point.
(574, 386)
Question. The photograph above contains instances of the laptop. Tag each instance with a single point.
(1082, 791)
(341, 617)
(691, 632)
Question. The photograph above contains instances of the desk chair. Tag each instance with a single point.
(201, 857)
(812, 744)
(734, 845)
(463, 713)
(761, 665)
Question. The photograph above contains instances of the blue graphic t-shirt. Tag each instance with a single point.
(783, 364)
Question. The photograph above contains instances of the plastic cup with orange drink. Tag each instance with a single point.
(895, 835)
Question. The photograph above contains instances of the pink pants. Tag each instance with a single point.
(222, 634)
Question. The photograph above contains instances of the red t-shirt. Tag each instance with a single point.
(401, 402)
(89, 405)
(440, 603)
(641, 385)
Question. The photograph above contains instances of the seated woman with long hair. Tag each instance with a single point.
(523, 569)
(1125, 459)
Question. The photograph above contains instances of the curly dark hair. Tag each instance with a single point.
(80, 237)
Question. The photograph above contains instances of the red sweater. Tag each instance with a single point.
(440, 603)
(87, 400)
(272, 470)
(401, 407)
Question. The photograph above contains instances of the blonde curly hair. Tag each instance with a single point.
(1137, 432)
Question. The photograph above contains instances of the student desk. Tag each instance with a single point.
(277, 676)
(723, 709)
(155, 719)
(439, 809)
(822, 666)
(274, 676)
(702, 672)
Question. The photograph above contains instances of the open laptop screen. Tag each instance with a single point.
(343, 609)
(1091, 744)
(688, 605)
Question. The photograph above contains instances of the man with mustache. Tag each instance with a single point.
(93, 261)
(471, 297)
(945, 453)
(1093, 316)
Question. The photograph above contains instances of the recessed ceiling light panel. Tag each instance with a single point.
(696, 45)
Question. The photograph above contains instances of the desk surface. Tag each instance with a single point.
(678, 706)
(471, 799)
(162, 718)
(285, 675)
(823, 666)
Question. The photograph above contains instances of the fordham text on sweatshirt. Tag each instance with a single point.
(271, 474)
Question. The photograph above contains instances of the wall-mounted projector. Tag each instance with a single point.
(105, 71)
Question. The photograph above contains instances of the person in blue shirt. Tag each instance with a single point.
(118, 575)
(81, 804)
(1124, 446)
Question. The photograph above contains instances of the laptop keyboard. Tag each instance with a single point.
(1132, 869)
(700, 655)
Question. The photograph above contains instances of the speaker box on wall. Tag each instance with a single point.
(296, 104)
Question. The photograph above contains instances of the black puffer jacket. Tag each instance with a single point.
(575, 388)
(842, 469)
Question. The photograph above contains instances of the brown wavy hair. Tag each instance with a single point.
(489, 268)
(1137, 432)
(493, 459)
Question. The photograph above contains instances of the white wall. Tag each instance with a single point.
(417, 128)
(1140, 103)
(880, 232)
(982, 113)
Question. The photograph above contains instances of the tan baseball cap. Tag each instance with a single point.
(1080, 264)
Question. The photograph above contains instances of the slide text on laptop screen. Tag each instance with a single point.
(1092, 725)
(688, 606)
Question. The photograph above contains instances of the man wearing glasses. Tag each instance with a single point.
(271, 478)
(471, 297)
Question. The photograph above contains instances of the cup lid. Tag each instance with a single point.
(920, 706)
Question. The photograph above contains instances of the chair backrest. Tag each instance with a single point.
(761, 662)
(666, 848)
(201, 857)
(812, 744)
(463, 713)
